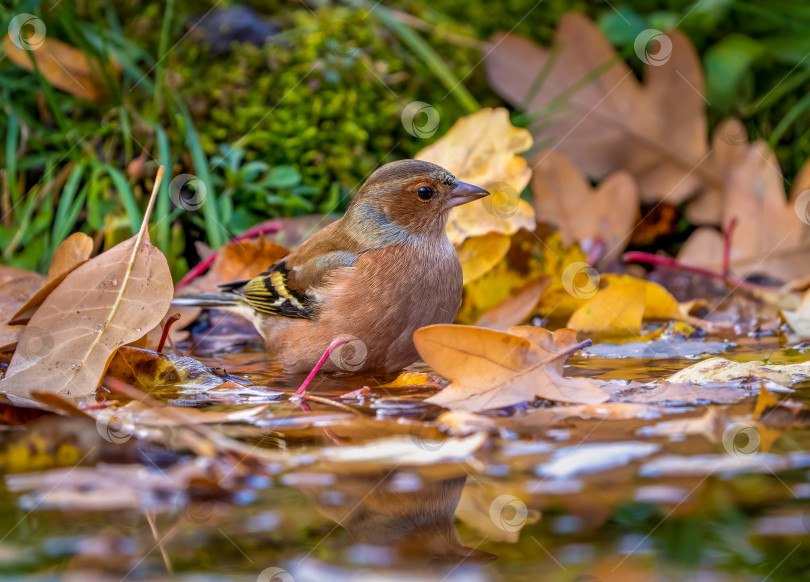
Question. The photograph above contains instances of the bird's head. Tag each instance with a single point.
(410, 197)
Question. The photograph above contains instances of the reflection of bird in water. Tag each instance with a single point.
(397, 512)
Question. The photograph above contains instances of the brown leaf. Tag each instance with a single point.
(604, 215)
(65, 67)
(74, 251)
(729, 144)
(240, 259)
(608, 120)
(516, 308)
(109, 301)
(16, 286)
(492, 369)
(772, 235)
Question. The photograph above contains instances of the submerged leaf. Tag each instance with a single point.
(150, 370)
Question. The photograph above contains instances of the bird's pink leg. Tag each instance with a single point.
(336, 343)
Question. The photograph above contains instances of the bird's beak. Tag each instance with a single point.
(464, 193)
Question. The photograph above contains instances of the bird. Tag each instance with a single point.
(376, 275)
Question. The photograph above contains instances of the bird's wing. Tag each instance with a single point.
(288, 287)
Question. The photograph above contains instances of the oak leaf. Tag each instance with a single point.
(600, 116)
(603, 216)
(482, 149)
(492, 369)
(772, 233)
(622, 303)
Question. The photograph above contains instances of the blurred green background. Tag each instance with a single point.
(283, 108)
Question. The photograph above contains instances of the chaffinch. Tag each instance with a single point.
(378, 274)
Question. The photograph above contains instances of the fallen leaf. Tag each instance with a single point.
(135, 414)
(64, 66)
(729, 144)
(479, 254)
(492, 369)
(723, 370)
(150, 370)
(516, 308)
(677, 394)
(772, 234)
(482, 149)
(16, 287)
(531, 255)
(674, 347)
(237, 260)
(622, 303)
(109, 301)
(74, 251)
(595, 112)
(799, 320)
(601, 217)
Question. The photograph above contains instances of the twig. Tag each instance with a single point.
(642, 257)
(166, 326)
(727, 236)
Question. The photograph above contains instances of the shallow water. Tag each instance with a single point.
(576, 501)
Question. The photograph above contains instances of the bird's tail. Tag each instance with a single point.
(216, 300)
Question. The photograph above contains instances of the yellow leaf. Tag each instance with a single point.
(622, 303)
(479, 254)
(482, 149)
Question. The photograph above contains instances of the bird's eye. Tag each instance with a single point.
(425, 192)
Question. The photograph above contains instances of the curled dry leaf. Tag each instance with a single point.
(492, 369)
(74, 251)
(16, 287)
(601, 217)
(600, 116)
(109, 301)
(482, 149)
